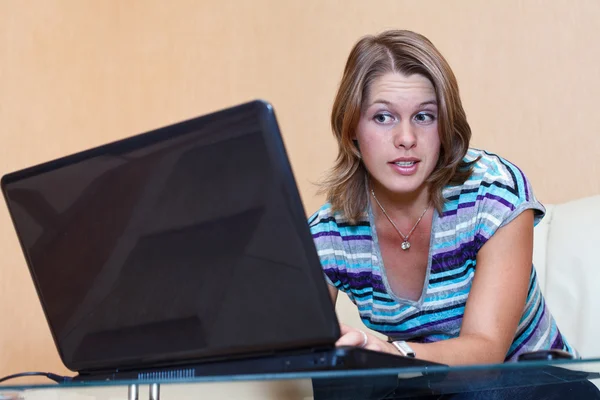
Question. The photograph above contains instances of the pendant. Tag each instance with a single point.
(405, 245)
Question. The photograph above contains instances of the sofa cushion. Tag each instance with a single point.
(573, 272)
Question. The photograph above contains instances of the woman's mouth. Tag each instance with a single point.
(405, 168)
(405, 163)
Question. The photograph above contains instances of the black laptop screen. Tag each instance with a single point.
(181, 244)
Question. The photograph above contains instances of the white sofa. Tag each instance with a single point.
(568, 267)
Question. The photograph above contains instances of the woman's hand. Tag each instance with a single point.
(356, 337)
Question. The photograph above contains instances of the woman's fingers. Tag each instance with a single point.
(345, 329)
(357, 338)
(353, 337)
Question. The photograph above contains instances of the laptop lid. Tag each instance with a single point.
(186, 243)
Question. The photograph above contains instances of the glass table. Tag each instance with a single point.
(577, 378)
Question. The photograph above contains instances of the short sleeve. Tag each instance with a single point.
(504, 193)
(325, 233)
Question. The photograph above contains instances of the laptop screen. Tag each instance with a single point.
(182, 244)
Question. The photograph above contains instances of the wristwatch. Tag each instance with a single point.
(404, 348)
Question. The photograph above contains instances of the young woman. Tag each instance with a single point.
(430, 239)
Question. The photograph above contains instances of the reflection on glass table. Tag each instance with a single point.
(509, 379)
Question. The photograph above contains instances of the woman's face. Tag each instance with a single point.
(398, 133)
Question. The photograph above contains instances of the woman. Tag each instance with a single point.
(431, 240)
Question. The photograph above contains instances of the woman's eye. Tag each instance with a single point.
(383, 118)
(425, 117)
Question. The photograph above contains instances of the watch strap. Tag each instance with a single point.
(404, 348)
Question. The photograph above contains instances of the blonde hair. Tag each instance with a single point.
(408, 53)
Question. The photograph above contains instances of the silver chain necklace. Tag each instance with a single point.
(405, 243)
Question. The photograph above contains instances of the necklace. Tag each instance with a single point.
(405, 243)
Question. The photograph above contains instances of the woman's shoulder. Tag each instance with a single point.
(486, 162)
(323, 216)
(326, 214)
(496, 186)
(326, 219)
(494, 173)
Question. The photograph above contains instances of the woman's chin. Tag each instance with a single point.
(405, 190)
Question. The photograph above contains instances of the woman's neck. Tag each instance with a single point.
(400, 205)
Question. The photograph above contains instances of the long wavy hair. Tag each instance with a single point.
(408, 53)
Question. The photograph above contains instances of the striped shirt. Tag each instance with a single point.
(495, 194)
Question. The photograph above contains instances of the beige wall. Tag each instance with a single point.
(78, 73)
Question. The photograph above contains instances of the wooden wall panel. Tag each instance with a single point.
(78, 73)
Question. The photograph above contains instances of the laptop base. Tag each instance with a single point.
(342, 358)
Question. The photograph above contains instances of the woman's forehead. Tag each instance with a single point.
(396, 87)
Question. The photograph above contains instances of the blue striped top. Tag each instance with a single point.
(494, 195)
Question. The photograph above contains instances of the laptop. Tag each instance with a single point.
(180, 252)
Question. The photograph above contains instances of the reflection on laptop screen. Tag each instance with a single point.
(179, 245)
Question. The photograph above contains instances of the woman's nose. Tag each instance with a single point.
(404, 136)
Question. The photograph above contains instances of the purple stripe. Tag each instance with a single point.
(333, 276)
(363, 280)
(344, 238)
(355, 280)
(498, 199)
(479, 240)
(558, 342)
(467, 205)
(325, 233)
(524, 183)
(356, 237)
(452, 259)
(448, 213)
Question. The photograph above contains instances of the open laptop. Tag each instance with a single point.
(180, 252)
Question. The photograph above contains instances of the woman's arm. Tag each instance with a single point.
(333, 292)
(495, 305)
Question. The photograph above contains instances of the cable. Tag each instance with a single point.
(49, 375)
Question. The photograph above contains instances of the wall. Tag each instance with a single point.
(79, 73)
